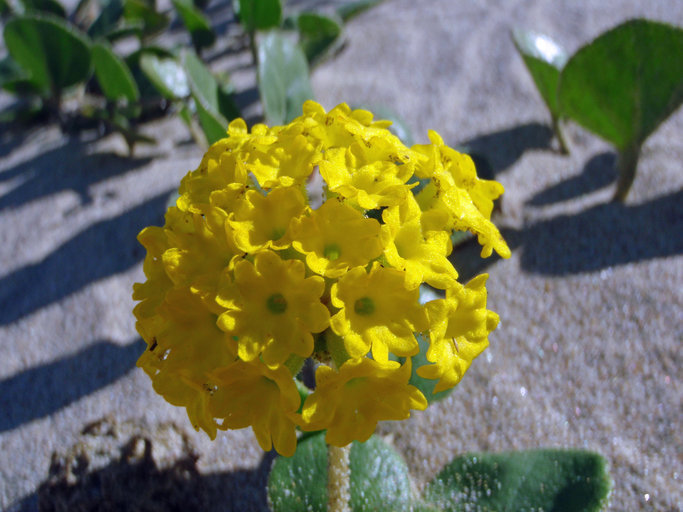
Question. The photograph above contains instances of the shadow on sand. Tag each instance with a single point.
(43, 390)
(133, 480)
(103, 249)
(600, 237)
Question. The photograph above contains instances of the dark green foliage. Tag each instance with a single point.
(626, 82)
(196, 23)
(548, 480)
(544, 59)
(53, 54)
(107, 21)
(167, 75)
(149, 21)
(351, 9)
(260, 14)
(379, 478)
(283, 78)
(113, 75)
(215, 107)
(317, 34)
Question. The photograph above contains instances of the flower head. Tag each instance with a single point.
(249, 276)
(351, 401)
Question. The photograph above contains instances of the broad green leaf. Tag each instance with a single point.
(14, 79)
(626, 82)
(379, 478)
(214, 125)
(549, 480)
(197, 25)
(544, 59)
(260, 14)
(113, 74)
(145, 86)
(284, 82)
(351, 9)
(317, 34)
(106, 22)
(215, 107)
(167, 75)
(46, 6)
(214, 95)
(53, 53)
(152, 21)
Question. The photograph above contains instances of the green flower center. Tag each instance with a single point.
(332, 252)
(277, 304)
(277, 233)
(364, 306)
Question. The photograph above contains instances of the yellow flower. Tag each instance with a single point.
(370, 185)
(266, 399)
(261, 222)
(335, 237)
(377, 311)
(246, 278)
(272, 308)
(459, 329)
(177, 368)
(423, 256)
(455, 189)
(350, 402)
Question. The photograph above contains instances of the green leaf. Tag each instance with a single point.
(152, 21)
(53, 53)
(215, 107)
(197, 25)
(14, 79)
(46, 6)
(113, 74)
(107, 20)
(167, 75)
(549, 480)
(626, 82)
(351, 9)
(260, 14)
(284, 82)
(317, 34)
(379, 478)
(544, 59)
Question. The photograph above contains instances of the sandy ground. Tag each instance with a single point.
(588, 351)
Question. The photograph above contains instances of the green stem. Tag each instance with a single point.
(252, 47)
(627, 164)
(338, 479)
(560, 136)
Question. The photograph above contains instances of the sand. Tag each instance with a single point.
(587, 354)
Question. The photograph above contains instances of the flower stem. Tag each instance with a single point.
(338, 478)
(564, 150)
(627, 164)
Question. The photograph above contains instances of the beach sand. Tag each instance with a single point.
(587, 354)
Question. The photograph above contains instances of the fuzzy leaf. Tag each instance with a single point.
(550, 480)
(52, 52)
(113, 75)
(626, 82)
(167, 75)
(379, 478)
(260, 14)
(544, 59)
(283, 78)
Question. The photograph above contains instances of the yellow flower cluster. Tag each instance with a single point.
(250, 276)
